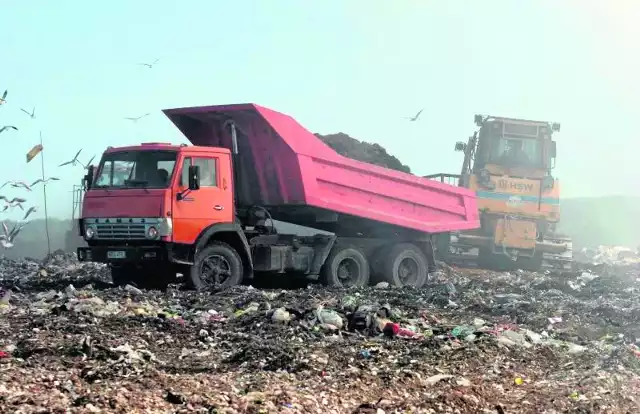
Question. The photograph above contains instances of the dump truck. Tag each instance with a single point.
(508, 163)
(206, 211)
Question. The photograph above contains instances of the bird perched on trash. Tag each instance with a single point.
(45, 181)
(31, 114)
(3, 100)
(7, 127)
(414, 118)
(149, 65)
(73, 162)
(136, 119)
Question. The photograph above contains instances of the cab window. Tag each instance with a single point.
(208, 171)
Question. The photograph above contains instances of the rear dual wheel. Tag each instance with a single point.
(346, 266)
(400, 265)
(403, 264)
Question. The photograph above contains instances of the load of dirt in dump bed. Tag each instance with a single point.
(349, 147)
(484, 342)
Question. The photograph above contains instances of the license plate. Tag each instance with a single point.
(116, 254)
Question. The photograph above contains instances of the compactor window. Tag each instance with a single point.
(517, 152)
(136, 169)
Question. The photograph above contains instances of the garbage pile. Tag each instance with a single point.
(609, 255)
(472, 341)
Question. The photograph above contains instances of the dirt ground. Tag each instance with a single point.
(482, 343)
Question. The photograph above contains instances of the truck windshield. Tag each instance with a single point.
(136, 169)
(525, 152)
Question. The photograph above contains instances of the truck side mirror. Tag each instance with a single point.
(194, 177)
(88, 178)
(552, 150)
(460, 146)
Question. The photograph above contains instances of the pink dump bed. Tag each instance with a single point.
(281, 163)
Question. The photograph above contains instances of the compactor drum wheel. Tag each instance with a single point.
(405, 265)
(217, 265)
(346, 266)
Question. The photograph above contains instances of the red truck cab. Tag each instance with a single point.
(146, 195)
(207, 211)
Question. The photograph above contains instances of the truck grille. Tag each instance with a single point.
(120, 231)
(121, 228)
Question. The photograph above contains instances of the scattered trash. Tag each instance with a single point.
(102, 348)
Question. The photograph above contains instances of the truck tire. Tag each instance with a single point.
(220, 265)
(405, 265)
(144, 277)
(122, 275)
(346, 266)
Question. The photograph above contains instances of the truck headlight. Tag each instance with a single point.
(89, 232)
(165, 227)
(152, 232)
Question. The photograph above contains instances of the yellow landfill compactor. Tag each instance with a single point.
(508, 163)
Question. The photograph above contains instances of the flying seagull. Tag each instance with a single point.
(6, 239)
(6, 127)
(414, 118)
(88, 163)
(31, 114)
(136, 119)
(73, 162)
(3, 100)
(16, 200)
(149, 65)
(44, 182)
(32, 209)
(16, 184)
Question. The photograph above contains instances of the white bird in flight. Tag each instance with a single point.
(136, 119)
(149, 65)
(31, 114)
(44, 182)
(73, 162)
(414, 118)
(6, 239)
(17, 184)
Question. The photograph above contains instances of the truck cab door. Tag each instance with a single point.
(212, 203)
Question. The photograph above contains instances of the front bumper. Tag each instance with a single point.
(122, 254)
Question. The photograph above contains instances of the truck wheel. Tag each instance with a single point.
(405, 265)
(122, 275)
(346, 266)
(218, 264)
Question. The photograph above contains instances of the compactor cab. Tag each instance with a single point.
(509, 164)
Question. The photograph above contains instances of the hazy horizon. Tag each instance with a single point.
(357, 67)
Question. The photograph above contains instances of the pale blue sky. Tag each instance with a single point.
(352, 66)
